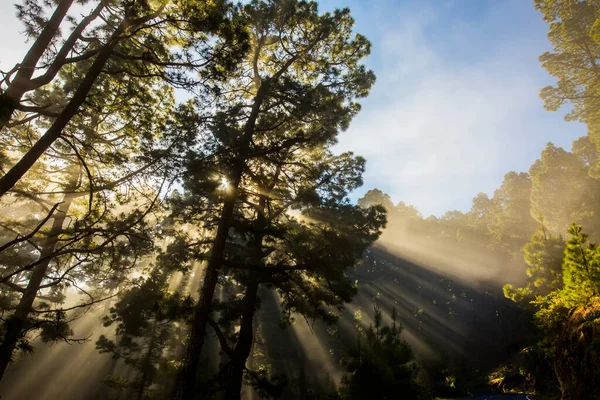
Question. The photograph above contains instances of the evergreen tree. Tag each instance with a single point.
(376, 197)
(296, 89)
(512, 223)
(381, 365)
(581, 269)
(562, 192)
(573, 61)
(544, 255)
(88, 185)
(295, 231)
(135, 40)
(566, 314)
(145, 316)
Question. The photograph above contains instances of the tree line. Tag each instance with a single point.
(540, 228)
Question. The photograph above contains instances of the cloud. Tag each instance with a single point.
(456, 102)
(436, 131)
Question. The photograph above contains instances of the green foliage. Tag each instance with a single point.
(261, 197)
(543, 255)
(80, 219)
(510, 221)
(558, 299)
(562, 192)
(573, 61)
(263, 186)
(376, 197)
(581, 269)
(144, 318)
(381, 365)
(580, 281)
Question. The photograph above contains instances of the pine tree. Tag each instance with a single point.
(544, 255)
(136, 40)
(88, 185)
(562, 192)
(573, 61)
(512, 223)
(294, 228)
(567, 318)
(145, 316)
(297, 89)
(581, 269)
(381, 364)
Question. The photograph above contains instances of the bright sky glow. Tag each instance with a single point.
(224, 184)
(456, 103)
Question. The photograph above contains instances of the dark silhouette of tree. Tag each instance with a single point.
(381, 364)
(297, 89)
(88, 187)
(144, 317)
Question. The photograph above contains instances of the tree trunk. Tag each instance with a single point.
(184, 389)
(53, 133)
(12, 96)
(246, 333)
(187, 379)
(245, 338)
(65, 49)
(145, 380)
(17, 323)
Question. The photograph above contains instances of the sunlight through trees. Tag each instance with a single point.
(177, 221)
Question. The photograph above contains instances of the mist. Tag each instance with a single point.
(314, 200)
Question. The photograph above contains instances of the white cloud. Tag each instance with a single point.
(431, 128)
(435, 130)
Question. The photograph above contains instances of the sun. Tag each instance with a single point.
(224, 186)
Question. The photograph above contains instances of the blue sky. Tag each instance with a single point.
(456, 102)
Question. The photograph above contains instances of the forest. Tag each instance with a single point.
(176, 221)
